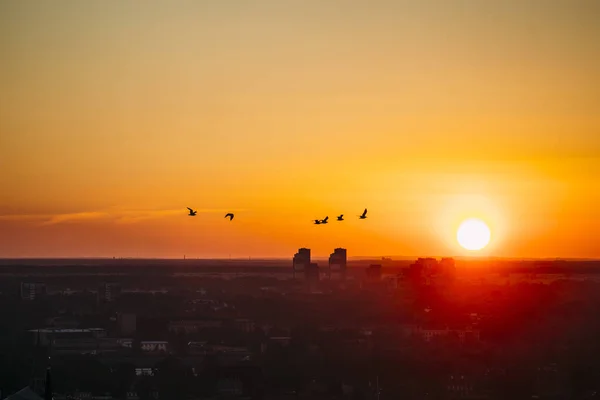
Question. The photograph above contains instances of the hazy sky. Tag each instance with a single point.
(116, 115)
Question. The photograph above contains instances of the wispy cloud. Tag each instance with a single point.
(75, 217)
(51, 219)
(134, 216)
(117, 215)
(22, 217)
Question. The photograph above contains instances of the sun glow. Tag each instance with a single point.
(473, 234)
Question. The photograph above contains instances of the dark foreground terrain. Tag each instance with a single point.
(388, 329)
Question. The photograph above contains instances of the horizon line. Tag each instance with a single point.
(266, 258)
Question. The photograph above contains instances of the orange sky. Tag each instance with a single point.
(115, 116)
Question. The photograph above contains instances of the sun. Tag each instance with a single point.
(473, 234)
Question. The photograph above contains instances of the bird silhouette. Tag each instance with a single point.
(364, 215)
(192, 212)
(340, 217)
(229, 215)
(317, 222)
(324, 221)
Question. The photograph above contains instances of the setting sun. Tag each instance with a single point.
(115, 118)
(473, 234)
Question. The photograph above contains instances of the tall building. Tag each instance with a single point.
(109, 292)
(32, 290)
(301, 261)
(337, 263)
(312, 273)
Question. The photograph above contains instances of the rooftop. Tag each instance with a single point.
(66, 330)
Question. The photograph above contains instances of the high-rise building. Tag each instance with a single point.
(109, 292)
(301, 261)
(337, 263)
(32, 290)
(312, 273)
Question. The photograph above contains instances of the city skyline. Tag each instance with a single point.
(115, 117)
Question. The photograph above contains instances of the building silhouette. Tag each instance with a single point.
(337, 263)
(312, 272)
(32, 290)
(312, 275)
(108, 292)
(301, 262)
(430, 271)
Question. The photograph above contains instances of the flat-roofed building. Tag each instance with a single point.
(300, 262)
(45, 336)
(109, 292)
(33, 290)
(337, 263)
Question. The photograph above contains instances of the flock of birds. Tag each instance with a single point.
(194, 212)
(316, 221)
(339, 218)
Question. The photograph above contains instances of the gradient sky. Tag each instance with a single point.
(116, 115)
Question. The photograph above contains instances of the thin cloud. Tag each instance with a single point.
(134, 216)
(117, 215)
(75, 217)
(23, 217)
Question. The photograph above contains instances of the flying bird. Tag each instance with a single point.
(229, 215)
(324, 221)
(192, 212)
(364, 215)
(340, 217)
(317, 222)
